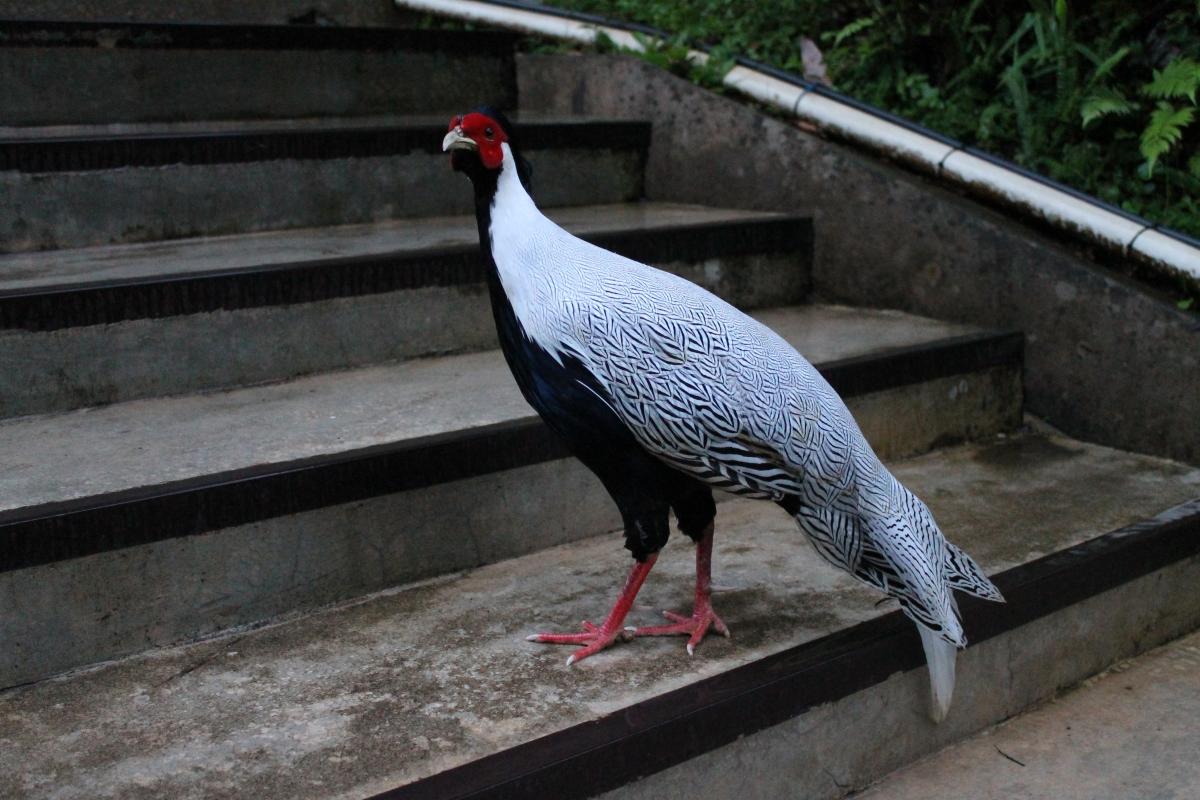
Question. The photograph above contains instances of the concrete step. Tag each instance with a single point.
(87, 185)
(378, 13)
(431, 691)
(158, 520)
(108, 324)
(1125, 734)
(73, 72)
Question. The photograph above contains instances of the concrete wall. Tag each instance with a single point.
(1106, 359)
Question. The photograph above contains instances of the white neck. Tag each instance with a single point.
(528, 249)
(510, 192)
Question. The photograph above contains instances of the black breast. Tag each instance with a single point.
(566, 395)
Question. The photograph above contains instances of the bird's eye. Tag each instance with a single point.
(488, 132)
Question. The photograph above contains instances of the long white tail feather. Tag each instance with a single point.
(940, 655)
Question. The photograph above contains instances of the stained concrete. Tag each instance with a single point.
(1107, 359)
(1126, 734)
(367, 696)
(63, 456)
(69, 613)
(46, 371)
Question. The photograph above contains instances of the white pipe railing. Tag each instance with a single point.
(1062, 209)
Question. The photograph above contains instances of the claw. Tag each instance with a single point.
(593, 639)
(695, 627)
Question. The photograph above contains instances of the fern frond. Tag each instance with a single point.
(1163, 131)
(1104, 102)
(857, 26)
(1180, 78)
(1194, 164)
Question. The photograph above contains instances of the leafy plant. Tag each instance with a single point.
(1069, 89)
(1167, 121)
(1104, 102)
(1162, 132)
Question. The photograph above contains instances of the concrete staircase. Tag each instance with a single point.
(248, 378)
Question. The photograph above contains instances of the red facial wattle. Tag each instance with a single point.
(487, 135)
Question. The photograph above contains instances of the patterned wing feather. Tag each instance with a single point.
(711, 391)
(721, 397)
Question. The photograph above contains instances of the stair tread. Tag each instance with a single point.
(203, 127)
(411, 682)
(59, 457)
(226, 34)
(180, 258)
(110, 146)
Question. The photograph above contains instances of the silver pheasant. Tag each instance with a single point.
(708, 392)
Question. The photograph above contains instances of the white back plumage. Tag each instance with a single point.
(720, 396)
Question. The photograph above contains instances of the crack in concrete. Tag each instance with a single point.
(224, 646)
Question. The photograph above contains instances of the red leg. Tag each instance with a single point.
(703, 616)
(595, 638)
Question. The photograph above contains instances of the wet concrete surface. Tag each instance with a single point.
(1129, 733)
(370, 695)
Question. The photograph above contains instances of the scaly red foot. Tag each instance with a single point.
(694, 627)
(594, 638)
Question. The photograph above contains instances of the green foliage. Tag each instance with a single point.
(1164, 129)
(1180, 78)
(1069, 89)
(1103, 102)
(1166, 123)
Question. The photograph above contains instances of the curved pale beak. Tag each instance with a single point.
(455, 140)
